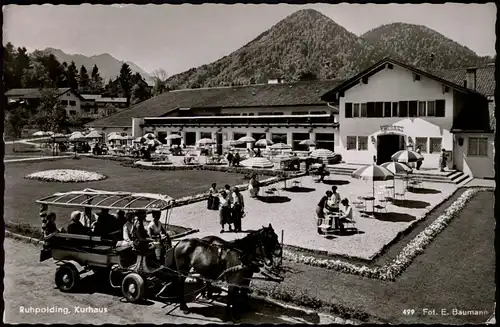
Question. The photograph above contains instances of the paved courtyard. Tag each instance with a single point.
(294, 212)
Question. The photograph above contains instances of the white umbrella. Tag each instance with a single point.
(94, 135)
(205, 141)
(280, 146)
(115, 137)
(263, 143)
(257, 162)
(173, 137)
(308, 142)
(373, 173)
(407, 156)
(150, 136)
(232, 142)
(246, 139)
(114, 134)
(396, 168)
(76, 136)
(322, 153)
(140, 139)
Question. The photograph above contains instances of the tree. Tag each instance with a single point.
(125, 81)
(140, 92)
(22, 63)
(9, 61)
(96, 83)
(72, 76)
(37, 75)
(17, 116)
(51, 114)
(160, 79)
(84, 81)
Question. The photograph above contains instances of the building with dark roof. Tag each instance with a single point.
(288, 112)
(393, 106)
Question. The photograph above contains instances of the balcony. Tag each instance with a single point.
(324, 120)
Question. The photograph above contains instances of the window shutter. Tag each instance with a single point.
(440, 108)
(348, 110)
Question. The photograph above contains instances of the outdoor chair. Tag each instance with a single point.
(351, 223)
(381, 205)
(401, 195)
(272, 190)
(297, 183)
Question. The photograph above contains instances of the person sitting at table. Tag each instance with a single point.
(320, 213)
(332, 205)
(346, 215)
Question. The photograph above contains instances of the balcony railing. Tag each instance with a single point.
(254, 121)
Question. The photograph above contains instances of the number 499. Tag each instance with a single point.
(408, 312)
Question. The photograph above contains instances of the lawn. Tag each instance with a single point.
(457, 270)
(21, 193)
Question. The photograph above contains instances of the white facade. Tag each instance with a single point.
(71, 103)
(392, 86)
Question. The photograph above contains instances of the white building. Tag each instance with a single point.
(286, 113)
(392, 106)
(69, 98)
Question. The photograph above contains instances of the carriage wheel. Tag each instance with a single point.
(133, 287)
(67, 277)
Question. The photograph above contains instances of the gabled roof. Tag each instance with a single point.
(32, 93)
(91, 96)
(331, 95)
(111, 100)
(262, 95)
(485, 78)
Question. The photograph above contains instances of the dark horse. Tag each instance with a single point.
(216, 259)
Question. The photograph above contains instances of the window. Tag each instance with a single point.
(421, 108)
(362, 143)
(251, 114)
(478, 146)
(403, 108)
(412, 112)
(387, 109)
(64, 102)
(440, 106)
(395, 109)
(355, 112)
(72, 103)
(379, 109)
(435, 144)
(422, 143)
(244, 114)
(348, 110)
(370, 109)
(431, 108)
(72, 112)
(351, 143)
(325, 141)
(205, 135)
(190, 138)
(364, 110)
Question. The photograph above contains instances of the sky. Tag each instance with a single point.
(179, 37)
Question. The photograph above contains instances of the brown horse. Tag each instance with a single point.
(253, 253)
(214, 259)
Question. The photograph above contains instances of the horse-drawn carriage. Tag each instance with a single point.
(209, 260)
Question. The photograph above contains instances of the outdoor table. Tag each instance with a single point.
(329, 221)
(391, 188)
(369, 198)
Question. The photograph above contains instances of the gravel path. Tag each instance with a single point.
(294, 213)
(29, 283)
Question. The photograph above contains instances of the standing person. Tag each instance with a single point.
(236, 160)
(224, 211)
(253, 186)
(442, 160)
(320, 213)
(238, 207)
(419, 163)
(212, 192)
(230, 158)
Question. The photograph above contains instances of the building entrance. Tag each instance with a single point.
(387, 145)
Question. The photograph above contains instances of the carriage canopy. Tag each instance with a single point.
(100, 199)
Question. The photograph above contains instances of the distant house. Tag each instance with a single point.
(69, 98)
(95, 106)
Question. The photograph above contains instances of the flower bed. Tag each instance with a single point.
(66, 176)
(392, 270)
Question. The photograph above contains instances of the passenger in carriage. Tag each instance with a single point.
(141, 238)
(105, 224)
(128, 228)
(75, 226)
(50, 226)
(157, 232)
